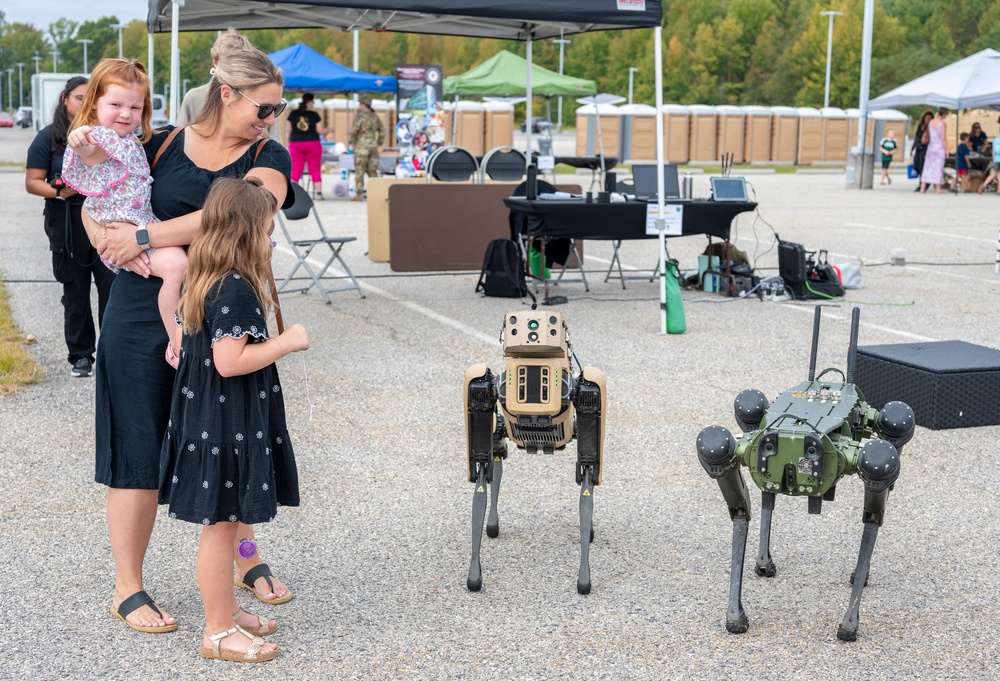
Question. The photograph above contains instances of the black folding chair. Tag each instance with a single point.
(565, 247)
(451, 164)
(303, 249)
(504, 164)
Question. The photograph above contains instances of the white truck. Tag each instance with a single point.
(45, 91)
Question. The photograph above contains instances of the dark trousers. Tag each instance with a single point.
(75, 265)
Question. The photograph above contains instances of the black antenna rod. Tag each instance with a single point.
(852, 351)
(815, 344)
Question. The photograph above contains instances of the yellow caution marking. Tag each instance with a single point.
(586, 493)
(480, 489)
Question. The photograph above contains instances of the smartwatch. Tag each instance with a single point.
(142, 236)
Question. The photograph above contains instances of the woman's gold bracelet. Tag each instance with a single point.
(280, 346)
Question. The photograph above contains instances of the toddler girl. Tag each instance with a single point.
(106, 163)
(226, 456)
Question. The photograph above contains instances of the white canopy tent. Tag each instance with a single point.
(526, 20)
(970, 83)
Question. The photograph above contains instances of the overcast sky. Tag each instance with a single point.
(41, 14)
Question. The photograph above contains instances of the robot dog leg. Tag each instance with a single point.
(481, 427)
(716, 452)
(590, 401)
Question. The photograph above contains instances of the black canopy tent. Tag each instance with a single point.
(525, 20)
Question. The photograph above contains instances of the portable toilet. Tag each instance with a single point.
(703, 133)
(757, 142)
(498, 125)
(676, 133)
(731, 122)
(385, 113)
(810, 143)
(784, 134)
(638, 140)
(897, 121)
(591, 139)
(340, 122)
(836, 128)
(469, 127)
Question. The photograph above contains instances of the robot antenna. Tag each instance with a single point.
(852, 351)
(815, 344)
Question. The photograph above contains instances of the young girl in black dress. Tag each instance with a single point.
(226, 455)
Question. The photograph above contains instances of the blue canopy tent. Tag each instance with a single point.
(305, 69)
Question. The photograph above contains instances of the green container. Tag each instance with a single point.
(535, 263)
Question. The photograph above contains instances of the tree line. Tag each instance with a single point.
(742, 52)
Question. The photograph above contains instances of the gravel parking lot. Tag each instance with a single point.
(378, 552)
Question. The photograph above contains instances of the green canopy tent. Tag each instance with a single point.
(505, 74)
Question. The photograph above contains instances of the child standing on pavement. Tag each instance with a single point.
(226, 456)
(106, 163)
(888, 146)
(962, 160)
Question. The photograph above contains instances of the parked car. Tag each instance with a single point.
(22, 117)
(159, 117)
(6, 120)
(536, 124)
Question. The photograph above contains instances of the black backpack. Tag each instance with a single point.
(502, 275)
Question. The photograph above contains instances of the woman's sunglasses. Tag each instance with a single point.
(265, 110)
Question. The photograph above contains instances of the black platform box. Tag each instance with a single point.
(948, 384)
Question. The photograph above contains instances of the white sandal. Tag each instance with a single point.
(252, 654)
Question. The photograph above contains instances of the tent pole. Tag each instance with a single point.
(658, 57)
(149, 59)
(527, 92)
(866, 69)
(175, 61)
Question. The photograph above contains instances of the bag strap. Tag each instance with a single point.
(508, 270)
(486, 268)
(163, 147)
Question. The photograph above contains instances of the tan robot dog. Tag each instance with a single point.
(542, 407)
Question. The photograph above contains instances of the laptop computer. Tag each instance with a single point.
(731, 189)
(644, 178)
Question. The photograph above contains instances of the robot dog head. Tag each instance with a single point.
(535, 387)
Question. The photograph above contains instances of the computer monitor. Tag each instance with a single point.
(729, 189)
(644, 178)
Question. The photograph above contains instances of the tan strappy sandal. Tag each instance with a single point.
(263, 624)
(252, 654)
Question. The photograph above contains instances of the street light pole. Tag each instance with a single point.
(631, 72)
(562, 42)
(85, 41)
(55, 60)
(37, 59)
(829, 53)
(184, 87)
(20, 84)
(119, 27)
(10, 90)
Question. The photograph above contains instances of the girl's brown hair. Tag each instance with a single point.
(129, 73)
(236, 222)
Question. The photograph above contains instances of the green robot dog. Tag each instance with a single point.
(801, 445)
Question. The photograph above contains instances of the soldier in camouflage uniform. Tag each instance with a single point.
(367, 134)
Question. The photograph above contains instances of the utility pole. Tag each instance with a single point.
(85, 41)
(55, 60)
(829, 53)
(37, 59)
(631, 72)
(10, 90)
(20, 84)
(119, 27)
(562, 42)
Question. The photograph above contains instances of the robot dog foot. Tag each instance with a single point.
(847, 633)
(737, 623)
(768, 570)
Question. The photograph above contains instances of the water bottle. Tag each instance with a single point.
(675, 306)
(688, 192)
(531, 188)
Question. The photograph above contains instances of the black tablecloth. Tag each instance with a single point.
(578, 219)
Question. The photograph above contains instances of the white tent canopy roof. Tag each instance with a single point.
(970, 83)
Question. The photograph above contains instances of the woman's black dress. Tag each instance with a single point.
(134, 381)
(227, 456)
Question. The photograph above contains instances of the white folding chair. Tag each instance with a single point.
(303, 249)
